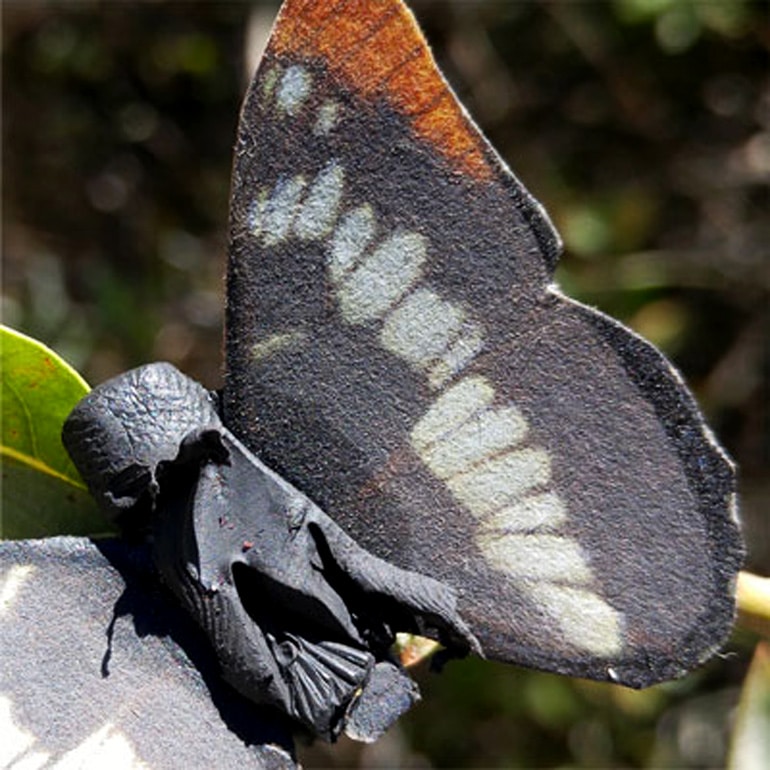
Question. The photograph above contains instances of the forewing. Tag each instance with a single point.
(394, 349)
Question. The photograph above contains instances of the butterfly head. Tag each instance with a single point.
(124, 430)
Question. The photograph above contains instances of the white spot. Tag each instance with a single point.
(328, 116)
(382, 278)
(500, 480)
(452, 408)
(281, 341)
(11, 583)
(482, 436)
(460, 353)
(318, 213)
(584, 619)
(421, 328)
(257, 213)
(269, 81)
(107, 747)
(16, 744)
(536, 557)
(293, 89)
(351, 238)
(544, 511)
(279, 212)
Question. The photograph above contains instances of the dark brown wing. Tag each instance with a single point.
(395, 349)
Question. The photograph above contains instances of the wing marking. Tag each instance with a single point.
(319, 210)
(584, 618)
(382, 278)
(351, 239)
(489, 433)
(328, 115)
(539, 558)
(421, 327)
(293, 90)
(272, 217)
(279, 341)
(543, 512)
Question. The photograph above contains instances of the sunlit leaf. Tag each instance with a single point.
(42, 493)
(413, 649)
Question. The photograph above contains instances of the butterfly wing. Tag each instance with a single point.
(396, 350)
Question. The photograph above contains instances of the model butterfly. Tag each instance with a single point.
(417, 431)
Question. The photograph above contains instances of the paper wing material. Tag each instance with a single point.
(395, 348)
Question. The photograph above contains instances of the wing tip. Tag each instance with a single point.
(379, 50)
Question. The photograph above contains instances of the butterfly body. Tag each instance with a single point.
(299, 615)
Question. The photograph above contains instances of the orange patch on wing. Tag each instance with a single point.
(377, 49)
(415, 87)
(298, 24)
(445, 121)
(339, 41)
(373, 64)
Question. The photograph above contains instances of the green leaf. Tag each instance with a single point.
(42, 493)
(751, 737)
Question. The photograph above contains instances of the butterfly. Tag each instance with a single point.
(417, 430)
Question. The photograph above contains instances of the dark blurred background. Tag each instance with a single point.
(642, 125)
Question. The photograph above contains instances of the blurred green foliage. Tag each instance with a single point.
(643, 126)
